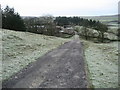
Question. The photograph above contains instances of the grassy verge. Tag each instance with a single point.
(102, 62)
(22, 48)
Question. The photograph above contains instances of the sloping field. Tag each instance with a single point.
(21, 48)
(102, 61)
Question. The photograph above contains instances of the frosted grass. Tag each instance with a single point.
(102, 60)
(23, 48)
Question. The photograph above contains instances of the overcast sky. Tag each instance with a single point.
(63, 7)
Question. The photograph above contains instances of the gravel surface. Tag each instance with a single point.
(60, 68)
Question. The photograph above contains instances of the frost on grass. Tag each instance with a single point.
(102, 60)
(22, 48)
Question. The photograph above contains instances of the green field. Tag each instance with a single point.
(21, 48)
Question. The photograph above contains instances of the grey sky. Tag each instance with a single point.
(63, 7)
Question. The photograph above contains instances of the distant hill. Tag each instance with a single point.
(110, 20)
(103, 19)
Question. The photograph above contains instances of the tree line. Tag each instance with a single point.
(86, 23)
(46, 24)
(61, 21)
(89, 23)
(41, 25)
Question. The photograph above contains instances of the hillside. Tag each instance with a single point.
(111, 20)
(21, 48)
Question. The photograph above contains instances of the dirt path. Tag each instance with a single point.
(60, 68)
